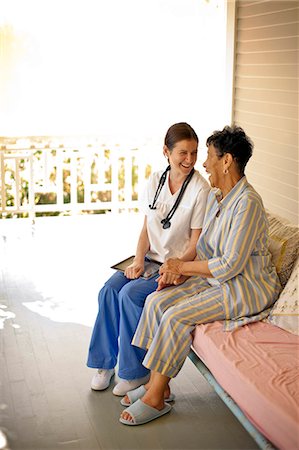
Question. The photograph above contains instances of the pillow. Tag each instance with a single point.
(283, 245)
(285, 312)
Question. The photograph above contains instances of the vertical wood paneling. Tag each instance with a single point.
(266, 97)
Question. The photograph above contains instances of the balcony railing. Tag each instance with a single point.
(39, 177)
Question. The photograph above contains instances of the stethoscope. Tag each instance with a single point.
(166, 222)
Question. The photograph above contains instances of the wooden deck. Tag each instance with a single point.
(49, 278)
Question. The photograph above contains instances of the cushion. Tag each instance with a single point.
(283, 245)
(285, 312)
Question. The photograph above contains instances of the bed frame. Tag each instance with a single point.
(261, 441)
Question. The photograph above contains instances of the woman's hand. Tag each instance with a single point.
(134, 270)
(165, 280)
(173, 265)
(170, 274)
(181, 279)
(171, 280)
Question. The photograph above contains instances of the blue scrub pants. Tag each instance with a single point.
(121, 303)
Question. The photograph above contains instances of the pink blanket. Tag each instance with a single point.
(258, 366)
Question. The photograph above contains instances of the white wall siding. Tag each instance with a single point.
(266, 98)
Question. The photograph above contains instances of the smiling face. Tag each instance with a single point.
(214, 167)
(182, 157)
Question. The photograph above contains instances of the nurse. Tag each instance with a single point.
(174, 204)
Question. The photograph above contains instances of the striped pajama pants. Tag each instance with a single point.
(168, 319)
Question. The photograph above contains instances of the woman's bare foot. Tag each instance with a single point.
(156, 390)
(147, 386)
(156, 403)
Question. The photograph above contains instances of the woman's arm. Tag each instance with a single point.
(187, 268)
(135, 269)
(190, 252)
(143, 244)
(247, 221)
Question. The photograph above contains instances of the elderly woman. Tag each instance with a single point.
(232, 279)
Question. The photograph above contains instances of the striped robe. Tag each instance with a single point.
(234, 240)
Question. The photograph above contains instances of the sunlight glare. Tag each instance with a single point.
(97, 66)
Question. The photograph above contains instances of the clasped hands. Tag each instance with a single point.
(171, 273)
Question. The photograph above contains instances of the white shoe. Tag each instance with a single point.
(124, 386)
(101, 379)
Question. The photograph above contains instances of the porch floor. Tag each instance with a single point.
(50, 274)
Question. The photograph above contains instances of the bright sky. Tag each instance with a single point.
(129, 67)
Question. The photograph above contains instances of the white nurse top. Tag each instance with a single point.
(173, 241)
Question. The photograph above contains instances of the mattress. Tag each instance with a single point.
(258, 366)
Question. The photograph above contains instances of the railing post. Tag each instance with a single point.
(17, 181)
(128, 178)
(59, 178)
(31, 190)
(3, 190)
(73, 181)
(114, 180)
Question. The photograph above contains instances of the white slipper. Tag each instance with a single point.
(138, 393)
(142, 413)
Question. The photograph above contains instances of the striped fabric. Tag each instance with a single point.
(235, 242)
(168, 319)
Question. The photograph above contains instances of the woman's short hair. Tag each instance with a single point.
(179, 132)
(232, 140)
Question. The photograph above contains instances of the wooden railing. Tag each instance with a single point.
(59, 178)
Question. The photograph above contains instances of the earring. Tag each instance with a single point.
(225, 171)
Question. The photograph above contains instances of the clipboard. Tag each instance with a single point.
(150, 267)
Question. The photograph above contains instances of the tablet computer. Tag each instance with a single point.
(122, 265)
(150, 267)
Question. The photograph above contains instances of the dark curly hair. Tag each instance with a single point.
(232, 140)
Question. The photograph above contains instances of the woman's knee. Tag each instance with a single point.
(129, 294)
(154, 303)
(104, 295)
(110, 291)
(116, 282)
